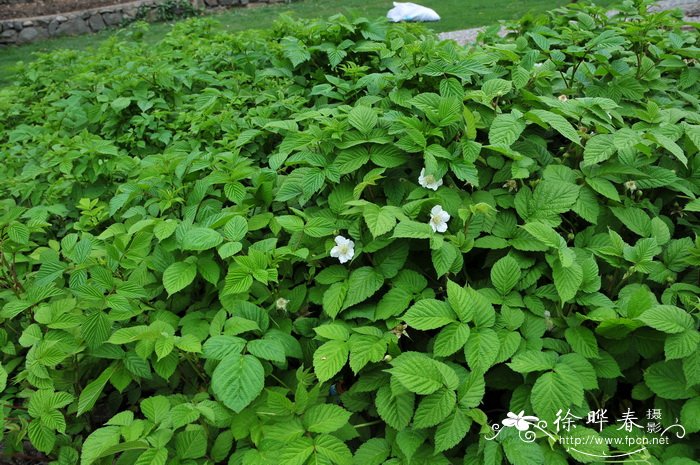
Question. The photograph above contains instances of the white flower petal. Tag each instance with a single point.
(509, 422)
(436, 210)
(442, 227)
(522, 425)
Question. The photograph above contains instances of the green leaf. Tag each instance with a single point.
(634, 218)
(461, 300)
(520, 452)
(598, 149)
(666, 380)
(191, 443)
(395, 409)
(471, 391)
(481, 349)
(119, 103)
(434, 408)
(550, 393)
(3, 378)
(363, 283)
(296, 452)
(363, 118)
(267, 349)
(444, 258)
(557, 122)
(178, 276)
(98, 441)
(429, 314)
(604, 187)
(153, 457)
(379, 220)
(417, 372)
(667, 318)
(333, 298)
(412, 230)
(583, 341)
(505, 129)
(451, 339)
(92, 391)
(681, 345)
(331, 449)
(373, 452)
(294, 50)
(198, 238)
(325, 418)
(543, 233)
(42, 437)
(690, 415)
(567, 280)
(533, 360)
(238, 380)
(505, 274)
(365, 349)
(451, 431)
(329, 359)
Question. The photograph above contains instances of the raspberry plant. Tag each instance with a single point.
(341, 241)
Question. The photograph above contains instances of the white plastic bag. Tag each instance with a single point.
(411, 12)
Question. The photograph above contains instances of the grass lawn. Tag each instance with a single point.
(455, 14)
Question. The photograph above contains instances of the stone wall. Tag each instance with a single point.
(24, 30)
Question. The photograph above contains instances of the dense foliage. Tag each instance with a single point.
(341, 242)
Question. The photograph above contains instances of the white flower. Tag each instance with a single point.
(563, 98)
(631, 186)
(344, 249)
(520, 421)
(439, 219)
(538, 65)
(281, 303)
(429, 181)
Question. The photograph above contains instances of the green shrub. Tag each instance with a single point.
(342, 242)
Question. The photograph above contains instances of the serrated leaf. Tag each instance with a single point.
(451, 339)
(434, 408)
(482, 349)
(558, 123)
(395, 409)
(429, 314)
(92, 391)
(583, 341)
(238, 380)
(325, 418)
(667, 318)
(567, 280)
(451, 431)
(178, 276)
(505, 129)
(378, 220)
(417, 372)
(330, 358)
(550, 393)
(363, 118)
(505, 274)
(363, 283)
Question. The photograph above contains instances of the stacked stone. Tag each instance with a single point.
(22, 31)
